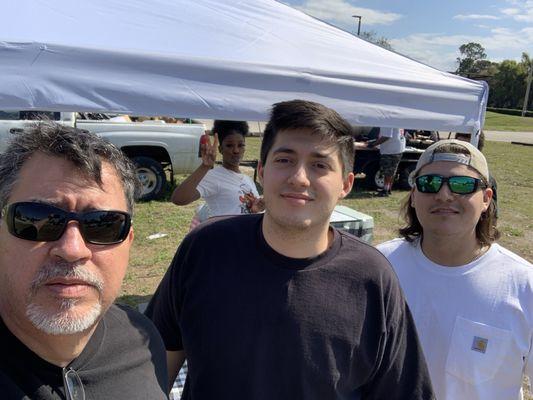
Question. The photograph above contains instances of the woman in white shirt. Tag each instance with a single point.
(225, 189)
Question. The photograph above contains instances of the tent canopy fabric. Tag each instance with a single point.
(224, 59)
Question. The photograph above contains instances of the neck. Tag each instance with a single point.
(59, 350)
(297, 243)
(231, 167)
(451, 251)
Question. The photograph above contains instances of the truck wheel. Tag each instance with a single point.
(373, 176)
(404, 181)
(152, 177)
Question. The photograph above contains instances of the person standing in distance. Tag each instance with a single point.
(391, 143)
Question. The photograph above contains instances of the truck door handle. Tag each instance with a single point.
(16, 130)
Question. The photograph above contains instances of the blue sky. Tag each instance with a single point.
(431, 31)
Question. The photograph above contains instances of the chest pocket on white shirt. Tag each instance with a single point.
(476, 350)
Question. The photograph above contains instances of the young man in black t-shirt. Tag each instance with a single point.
(281, 306)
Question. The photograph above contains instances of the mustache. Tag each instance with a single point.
(64, 269)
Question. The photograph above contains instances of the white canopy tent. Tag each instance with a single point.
(225, 59)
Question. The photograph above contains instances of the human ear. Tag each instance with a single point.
(412, 199)
(487, 197)
(347, 185)
(260, 171)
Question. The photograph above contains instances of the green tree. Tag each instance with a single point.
(372, 37)
(471, 59)
(509, 87)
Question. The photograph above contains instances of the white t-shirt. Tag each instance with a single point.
(221, 189)
(396, 142)
(475, 322)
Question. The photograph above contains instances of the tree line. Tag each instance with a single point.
(508, 80)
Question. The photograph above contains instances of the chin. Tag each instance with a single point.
(295, 222)
(66, 319)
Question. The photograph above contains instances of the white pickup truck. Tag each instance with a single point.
(159, 150)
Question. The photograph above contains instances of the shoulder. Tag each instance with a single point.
(511, 258)
(513, 266)
(391, 246)
(215, 173)
(125, 319)
(227, 225)
(222, 231)
(386, 132)
(365, 258)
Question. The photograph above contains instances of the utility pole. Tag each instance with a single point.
(528, 87)
(359, 24)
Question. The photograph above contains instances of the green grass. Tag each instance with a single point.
(502, 122)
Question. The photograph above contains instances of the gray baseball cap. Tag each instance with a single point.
(474, 159)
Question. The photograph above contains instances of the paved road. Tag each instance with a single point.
(507, 136)
(497, 136)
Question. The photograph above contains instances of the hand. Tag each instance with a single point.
(208, 151)
(258, 205)
(254, 204)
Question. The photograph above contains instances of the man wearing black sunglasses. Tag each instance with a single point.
(66, 199)
(472, 300)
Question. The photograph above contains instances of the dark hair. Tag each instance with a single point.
(486, 231)
(323, 121)
(85, 150)
(466, 138)
(226, 128)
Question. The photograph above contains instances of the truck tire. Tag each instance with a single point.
(373, 176)
(152, 177)
(404, 181)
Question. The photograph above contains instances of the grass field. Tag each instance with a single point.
(501, 122)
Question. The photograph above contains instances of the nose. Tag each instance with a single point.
(299, 176)
(444, 194)
(71, 246)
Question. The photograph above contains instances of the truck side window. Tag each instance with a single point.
(39, 115)
(9, 115)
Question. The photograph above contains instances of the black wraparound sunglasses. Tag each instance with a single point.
(432, 183)
(41, 222)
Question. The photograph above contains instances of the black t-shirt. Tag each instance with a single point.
(258, 325)
(124, 359)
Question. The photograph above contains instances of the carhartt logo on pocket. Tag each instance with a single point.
(480, 344)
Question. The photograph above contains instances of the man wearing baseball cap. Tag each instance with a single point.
(472, 299)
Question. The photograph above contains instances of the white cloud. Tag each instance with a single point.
(510, 11)
(339, 12)
(474, 16)
(441, 51)
(522, 11)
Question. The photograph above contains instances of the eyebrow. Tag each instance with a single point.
(315, 154)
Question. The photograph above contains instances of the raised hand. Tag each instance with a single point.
(208, 151)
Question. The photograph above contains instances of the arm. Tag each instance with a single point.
(175, 360)
(186, 192)
(379, 140)
(400, 371)
(164, 311)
